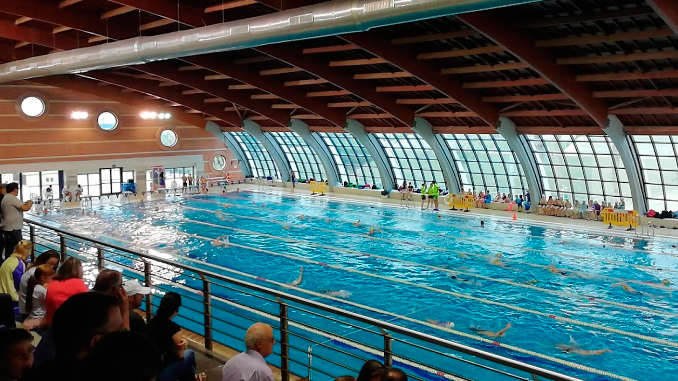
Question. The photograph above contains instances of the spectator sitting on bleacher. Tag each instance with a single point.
(78, 324)
(66, 193)
(66, 283)
(393, 374)
(135, 295)
(371, 371)
(250, 365)
(119, 356)
(16, 353)
(13, 269)
(49, 257)
(35, 296)
(178, 361)
(110, 282)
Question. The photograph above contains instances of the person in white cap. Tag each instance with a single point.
(135, 295)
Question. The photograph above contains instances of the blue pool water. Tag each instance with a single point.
(425, 267)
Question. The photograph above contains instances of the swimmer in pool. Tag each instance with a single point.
(554, 270)
(221, 241)
(483, 332)
(626, 287)
(372, 231)
(302, 217)
(328, 220)
(286, 227)
(444, 324)
(496, 260)
(573, 347)
(531, 281)
(297, 281)
(339, 294)
(356, 224)
(482, 224)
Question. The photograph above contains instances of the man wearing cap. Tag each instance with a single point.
(135, 295)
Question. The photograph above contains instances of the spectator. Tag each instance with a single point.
(371, 371)
(3, 191)
(13, 217)
(250, 365)
(66, 283)
(135, 295)
(16, 353)
(78, 193)
(36, 294)
(127, 356)
(49, 257)
(78, 324)
(393, 374)
(179, 362)
(67, 194)
(344, 378)
(13, 269)
(110, 282)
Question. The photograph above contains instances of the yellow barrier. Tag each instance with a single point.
(620, 218)
(317, 187)
(461, 201)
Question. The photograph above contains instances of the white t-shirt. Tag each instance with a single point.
(23, 288)
(12, 216)
(39, 295)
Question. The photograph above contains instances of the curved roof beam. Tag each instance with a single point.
(522, 45)
(196, 80)
(380, 45)
(668, 10)
(87, 86)
(292, 54)
(168, 93)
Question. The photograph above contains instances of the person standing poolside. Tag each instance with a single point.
(13, 217)
(423, 195)
(294, 180)
(184, 183)
(433, 192)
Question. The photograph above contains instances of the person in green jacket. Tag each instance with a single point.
(433, 192)
(423, 195)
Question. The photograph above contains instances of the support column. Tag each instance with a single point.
(507, 129)
(375, 150)
(233, 145)
(272, 147)
(320, 150)
(447, 165)
(615, 130)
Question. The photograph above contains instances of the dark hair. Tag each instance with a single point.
(136, 356)
(370, 370)
(344, 378)
(40, 271)
(78, 320)
(44, 257)
(107, 280)
(11, 337)
(169, 304)
(71, 268)
(393, 374)
(11, 187)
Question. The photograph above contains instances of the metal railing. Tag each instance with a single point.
(317, 341)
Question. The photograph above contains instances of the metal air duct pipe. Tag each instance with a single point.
(320, 20)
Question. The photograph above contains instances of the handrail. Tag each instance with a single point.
(382, 325)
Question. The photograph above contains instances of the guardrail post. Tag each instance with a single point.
(284, 342)
(62, 247)
(100, 258)
(31, 230)
(207, 304)
(388, 355)
(149, 297)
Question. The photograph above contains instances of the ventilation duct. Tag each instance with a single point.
(320, 20)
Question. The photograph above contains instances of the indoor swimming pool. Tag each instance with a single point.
(439, 274)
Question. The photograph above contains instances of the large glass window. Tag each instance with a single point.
(90, 184)
(412, 159)
(6, 178)
(173, 177)
(581, 167)
(302, 159)
(111, 178)
(33, 184)
(658, 159)
(257, 156)
(354, 163)
(485, 162)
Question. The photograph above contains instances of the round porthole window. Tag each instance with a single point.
(219, 163)
(32, 106)
(107, 121)
(169, 138)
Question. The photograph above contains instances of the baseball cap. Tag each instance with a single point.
(133, 287)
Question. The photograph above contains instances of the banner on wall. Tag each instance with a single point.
(158, 173)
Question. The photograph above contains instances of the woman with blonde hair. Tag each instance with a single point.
(13, 269)
(36, 295)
